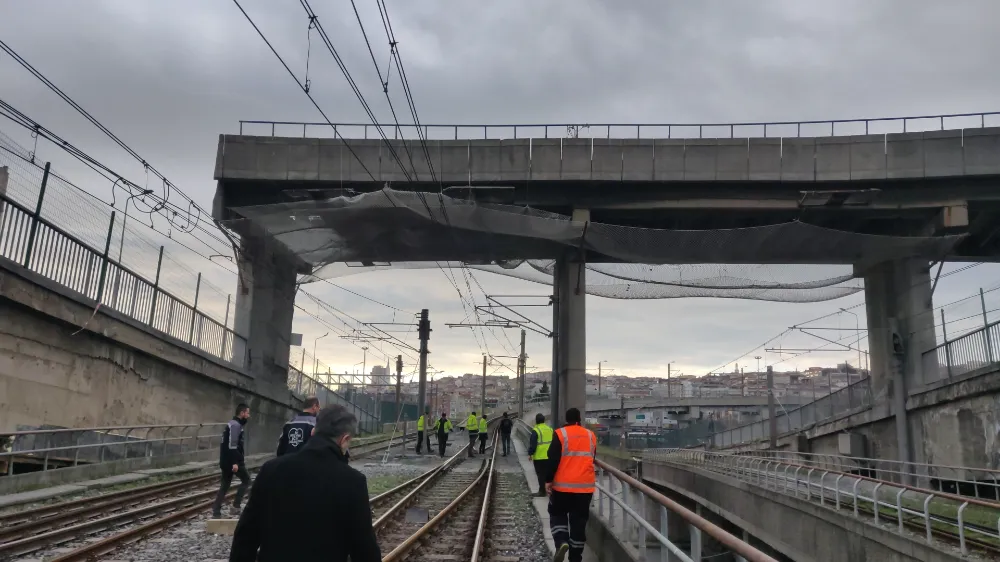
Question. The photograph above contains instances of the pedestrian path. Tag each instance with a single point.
(541, 504)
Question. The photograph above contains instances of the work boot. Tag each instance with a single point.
(560, 554)
(216, 515)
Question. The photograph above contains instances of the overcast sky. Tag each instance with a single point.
(168, 76)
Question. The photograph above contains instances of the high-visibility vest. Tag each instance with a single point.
(544, 434)
(482, 425)
(576, 467)
(471, 425)
(420, 423)
(447, 425)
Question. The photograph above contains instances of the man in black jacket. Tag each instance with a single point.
(310, 505)
(296, 432)
(231, 461)
(506, 426)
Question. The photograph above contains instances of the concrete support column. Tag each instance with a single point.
(570, 357)
(264, 308)
(900, 328)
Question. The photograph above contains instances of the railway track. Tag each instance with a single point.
(444, 518)
(144, 511)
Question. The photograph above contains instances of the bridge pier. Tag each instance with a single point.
(900, 328)
(265, 304)
(570, 359)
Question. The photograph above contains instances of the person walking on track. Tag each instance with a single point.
(311, 505)
(538, 450)
(442, 427)
(506, 426)
(231, 462)
(570, 483)
(472, 426)
(483, 434)
(296, 432)
(421, 434)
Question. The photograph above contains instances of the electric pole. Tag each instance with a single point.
(483, 397)
(521, 368)
(772, 422)
(743, 383)
(668, 379)
(424, 331)
(399, 383)
(621, 444)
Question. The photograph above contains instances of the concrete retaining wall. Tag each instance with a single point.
(796, 528)
(113, 371)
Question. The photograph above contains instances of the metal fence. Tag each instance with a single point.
(59, 448)
(43, 247)
(972, 351)
(835, 127)
(305, 385)
(854, 397)
(937, 514)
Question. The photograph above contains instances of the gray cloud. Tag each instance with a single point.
(170, 76)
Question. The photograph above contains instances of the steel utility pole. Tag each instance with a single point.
(521, 368)
(743, 383)
(621, 444)
(424, 331)
(668, 379)
(757, 374)
(399, 383)
(772, 422)
(482, 401)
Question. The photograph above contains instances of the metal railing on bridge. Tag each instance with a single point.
(854, 397)
(60, 448)
(975, 350)
(40, 245)
(749, 129)
(858, 487)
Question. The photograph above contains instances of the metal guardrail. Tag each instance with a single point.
(28, 239)
(854, 397)
(631, 523)
(305, 386)
(747, 129)
(939, 514)
(68, 447)
(972, 351)
(981, 483)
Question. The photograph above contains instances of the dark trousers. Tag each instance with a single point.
(540, 467)
(482, 442)
(505, 439)
(227, 479)
(420, 442)
(442, 443)
(472, 443)
(568, 514)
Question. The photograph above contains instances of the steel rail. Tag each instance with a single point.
(480, 541)
(76, 510)
(412, 541)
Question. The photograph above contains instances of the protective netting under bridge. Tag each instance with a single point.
(390, 229)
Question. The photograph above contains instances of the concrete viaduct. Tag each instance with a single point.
(916, 186)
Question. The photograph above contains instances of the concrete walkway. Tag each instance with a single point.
(541, 504)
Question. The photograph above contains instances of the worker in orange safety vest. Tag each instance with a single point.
(570, 484)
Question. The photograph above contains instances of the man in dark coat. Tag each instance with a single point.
(297, 432)
(310, 505)
(231, 462)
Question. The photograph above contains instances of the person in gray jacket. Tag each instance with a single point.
(231, 461)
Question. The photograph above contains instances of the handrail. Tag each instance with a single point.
(637, 126)
(762, 471)
(107, 428)
(100, 298)
(935, 493)
(718, 533)
(106, 440)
